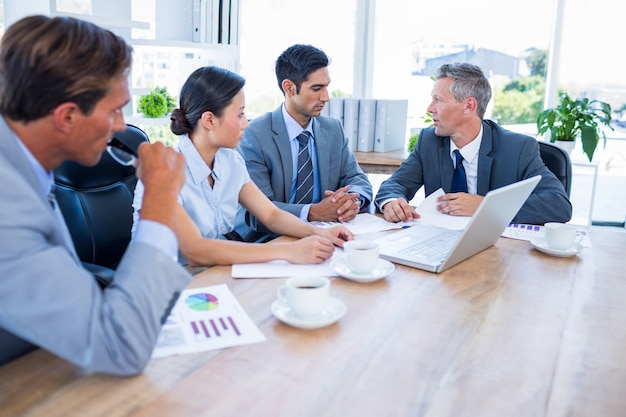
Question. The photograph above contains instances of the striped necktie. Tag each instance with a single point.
(304, 182)
(459, 179)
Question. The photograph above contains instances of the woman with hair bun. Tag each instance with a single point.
(210, 122)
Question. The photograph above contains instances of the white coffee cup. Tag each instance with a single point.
(561, 236)
(361, 256)
(306, 296)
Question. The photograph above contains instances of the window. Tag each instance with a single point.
(269, 27)
(591, 65)
(410, 45)
(408, 40)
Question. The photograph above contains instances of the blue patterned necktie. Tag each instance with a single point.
(459, 179)
(304, 182)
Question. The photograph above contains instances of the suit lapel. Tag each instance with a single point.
(322, 151)
(281, 140)
(445, 163)
(15, 157)
(485, 161)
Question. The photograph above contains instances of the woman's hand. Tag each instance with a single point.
(308, 250)
(336, 234)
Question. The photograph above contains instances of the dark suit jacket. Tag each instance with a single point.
(267, 151)
(504, 158)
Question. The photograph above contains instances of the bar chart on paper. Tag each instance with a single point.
(206, 319)
(205, 329)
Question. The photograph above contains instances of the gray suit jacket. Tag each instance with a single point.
(504, 158)
(266, 149)
(48, 300)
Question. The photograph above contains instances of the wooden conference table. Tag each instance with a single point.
(509, 332)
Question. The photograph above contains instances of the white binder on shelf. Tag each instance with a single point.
(224, 23)
(335, 108)
(325, 111)
(367, 121)
(233, 31)
(351, 121)
(390, 126)
(214, 16)
(198, 22)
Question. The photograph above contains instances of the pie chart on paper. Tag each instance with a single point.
(202, 302)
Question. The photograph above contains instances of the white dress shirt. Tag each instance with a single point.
(470, 161)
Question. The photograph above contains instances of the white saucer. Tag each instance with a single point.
(335, 309)
(381, 270)
(540, 244)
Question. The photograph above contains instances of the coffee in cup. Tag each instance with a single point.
(561, 236)
(361, 256)
(306, 296)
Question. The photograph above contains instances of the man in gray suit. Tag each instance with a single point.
(270, 148)
(63, 83)
(489, 157)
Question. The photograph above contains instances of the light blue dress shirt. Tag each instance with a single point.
(213, 210)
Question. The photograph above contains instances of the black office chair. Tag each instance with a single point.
(557, 160)
(96, 203)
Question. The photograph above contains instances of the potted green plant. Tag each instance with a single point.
(157, 103)
(410, 147)
(170, 101)
(576, 118)
(428, 121)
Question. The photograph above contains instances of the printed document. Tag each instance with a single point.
(364, 223)
(206, 319)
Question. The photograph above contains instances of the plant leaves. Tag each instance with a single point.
(589, 137)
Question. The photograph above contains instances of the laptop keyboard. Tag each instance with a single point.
(435, 248)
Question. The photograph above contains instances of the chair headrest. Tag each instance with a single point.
(105, 172)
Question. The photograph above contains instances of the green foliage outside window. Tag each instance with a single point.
(161, 134)
(339, 93)
(537, 62)
(519, 101)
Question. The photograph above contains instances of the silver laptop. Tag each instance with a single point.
(436, 249)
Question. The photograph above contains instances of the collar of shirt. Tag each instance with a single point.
(293, 128)
(46, 179)
(198, 169)
(470, 160)
(469, 151)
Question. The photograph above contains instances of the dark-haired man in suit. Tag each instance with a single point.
(270, 147)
